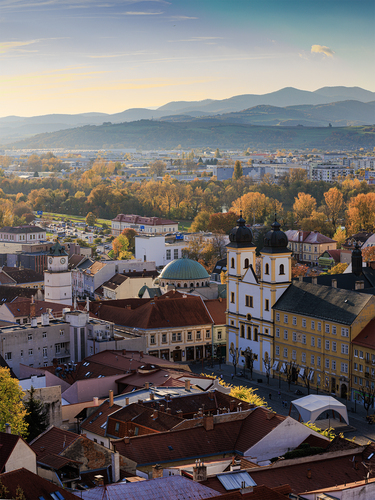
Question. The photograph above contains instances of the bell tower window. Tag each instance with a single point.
(282, 269)
(267, 269)
(246, 263)
(232, 263)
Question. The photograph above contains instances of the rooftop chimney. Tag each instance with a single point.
(110, 398)
(126, 440)
(155, 414)
(334, 283)
(168, 410)
(34, 322)
(300, 278)
(99, 480)
(157, 471)
(45, 319)
(96, 401)
(187, 385)
(179, 413)
(126, 401)
(147, 385)
(359, 285)
(152, 396)
(199, 471)
(115, 467)
(314, 280)
(8, 429)
(208, 422)
(232, 405)
(32, 308)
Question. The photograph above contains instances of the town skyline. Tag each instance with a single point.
(85, 56)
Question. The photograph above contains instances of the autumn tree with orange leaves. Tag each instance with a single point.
(334, 204)
(361, 213)
(304, 205)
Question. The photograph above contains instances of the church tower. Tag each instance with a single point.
(57, 277)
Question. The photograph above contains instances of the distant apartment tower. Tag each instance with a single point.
(143, 225)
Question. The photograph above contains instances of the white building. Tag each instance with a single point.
(250, 298)
(57, 277)
(22, 234)
(328, 172)
(146, 225)
(157, 249)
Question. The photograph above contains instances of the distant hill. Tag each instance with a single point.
(148, 134)
(14, 128)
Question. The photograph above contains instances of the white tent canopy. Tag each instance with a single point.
(310, 407)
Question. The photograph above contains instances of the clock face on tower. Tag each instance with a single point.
(62, 260)
(50, 260)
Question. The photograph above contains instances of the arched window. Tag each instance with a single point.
(256, 334)
(192, 285)
(232, 263)
(202, 283)
(197, 285)
(249, 332)
(178, 285)
(242, 331)
(267, 269)
(282, 269)
(246, 263)
(185, 285)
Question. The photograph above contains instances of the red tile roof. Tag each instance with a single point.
(137, 219)
(217, 308)
(366, 338)
(23, 275)
(93, 423)
(7, 445)
(33, 486)
(52, 442)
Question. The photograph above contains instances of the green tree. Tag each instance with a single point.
(217, 153)
(157, 168)
(37, 415)
(130, 234)
(120, 248)
(90, 219)
(237, 172)
(12, 409)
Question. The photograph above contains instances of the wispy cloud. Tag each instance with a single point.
(322, 49)
(181, 18)
(11, 46)
(71, 4)
(140, 13)
(198, 39)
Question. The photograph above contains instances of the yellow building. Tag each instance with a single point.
(363, 363)
(314, 327)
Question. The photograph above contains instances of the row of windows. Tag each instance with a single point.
(328, 345)
(359, 353)
(359, 367)
(249, 302)
(169, 254)
(359, 381)
(266, 267)
(248, 333)
(318, 325)
(329, 364)
(177, 336)
(186, 285)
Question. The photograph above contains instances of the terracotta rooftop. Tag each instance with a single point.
(21, 307)
(137, 219)
(21, 276)
(52, 442)
(366, 338)
(8, 293)
(95, 421)
(7, 444)
(33, 486)
(217, 308)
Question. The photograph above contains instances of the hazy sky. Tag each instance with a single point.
(74, 56)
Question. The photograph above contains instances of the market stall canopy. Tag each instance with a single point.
(310, 407)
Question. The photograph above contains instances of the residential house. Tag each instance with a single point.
(153, 225)
(15, 453)
(363, 365)
(127, 285)
(22, 234)
(308, 246)
(23, 277)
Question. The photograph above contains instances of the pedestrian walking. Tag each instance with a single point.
(279, 394)
(232, 376)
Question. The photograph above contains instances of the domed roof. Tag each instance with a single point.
(241, 235)
(184, 269)
(275, 240)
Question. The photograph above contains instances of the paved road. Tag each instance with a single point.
(363, 432)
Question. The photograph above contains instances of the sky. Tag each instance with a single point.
(78, 56)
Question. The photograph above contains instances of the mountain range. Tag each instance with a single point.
(338, 106)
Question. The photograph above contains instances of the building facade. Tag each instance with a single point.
(147, 225)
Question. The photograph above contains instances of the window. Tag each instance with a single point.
(152, 339)
(285, 318)
(267, 269)
(278, 332)
(277, 351)
(334, 346)
(255, 334)
(199, 334)
(164, 338)
(356, 366)
(219, 335)
(30, 352)
(232, 263)
(179, 336)
(333, 364)
(303, 339)
(294, 354)
(117, 427)
(356, 380)
(21, 353)
(345, 332)
(61, 332)
(277, 316)
(249, 301)
(361, 354)
(267, 305)
(174, 337)
(294, 321)
(327, 345)
(30, 336)
(312, 359)
(168, 254)
(249, 333)
(319, 343)
(318, 361)
(304, 323)
(312, 325)
(285, 334)
(333, 329)
(294, 336)
(242, 331)
(232, 297)
(246, 263)
(285, 352)
(319, 326)
(45, 352)
(190, 335)
(344, 348)
(312, 341)
(344, 368)
(361, 368)
(282, 269)
(303, 357)
(327, 363)
(44, 334)
(175, 253)
(8, 356)
(327, 328)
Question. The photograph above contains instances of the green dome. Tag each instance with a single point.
(184, 269)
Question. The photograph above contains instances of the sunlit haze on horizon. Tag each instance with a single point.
(77, 56)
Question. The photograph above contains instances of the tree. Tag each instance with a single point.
(37, 415)
(334, 204)
(217, 153)
(248, 394)
(340, 236)
(200, 223)
(267, 362)
(307, 376)
(361, 213)
(250, 357)
(298, 269)
(222, 222)
(237, 172)
(304, 205)
(157, 168)
(12, 409)
(367, 395)
(338, 268)
(235, 354)
(130, 234)
(368, 254)
(291, 372)
(90, 219)
(120, 248)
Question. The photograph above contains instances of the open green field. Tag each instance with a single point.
(73, 218)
